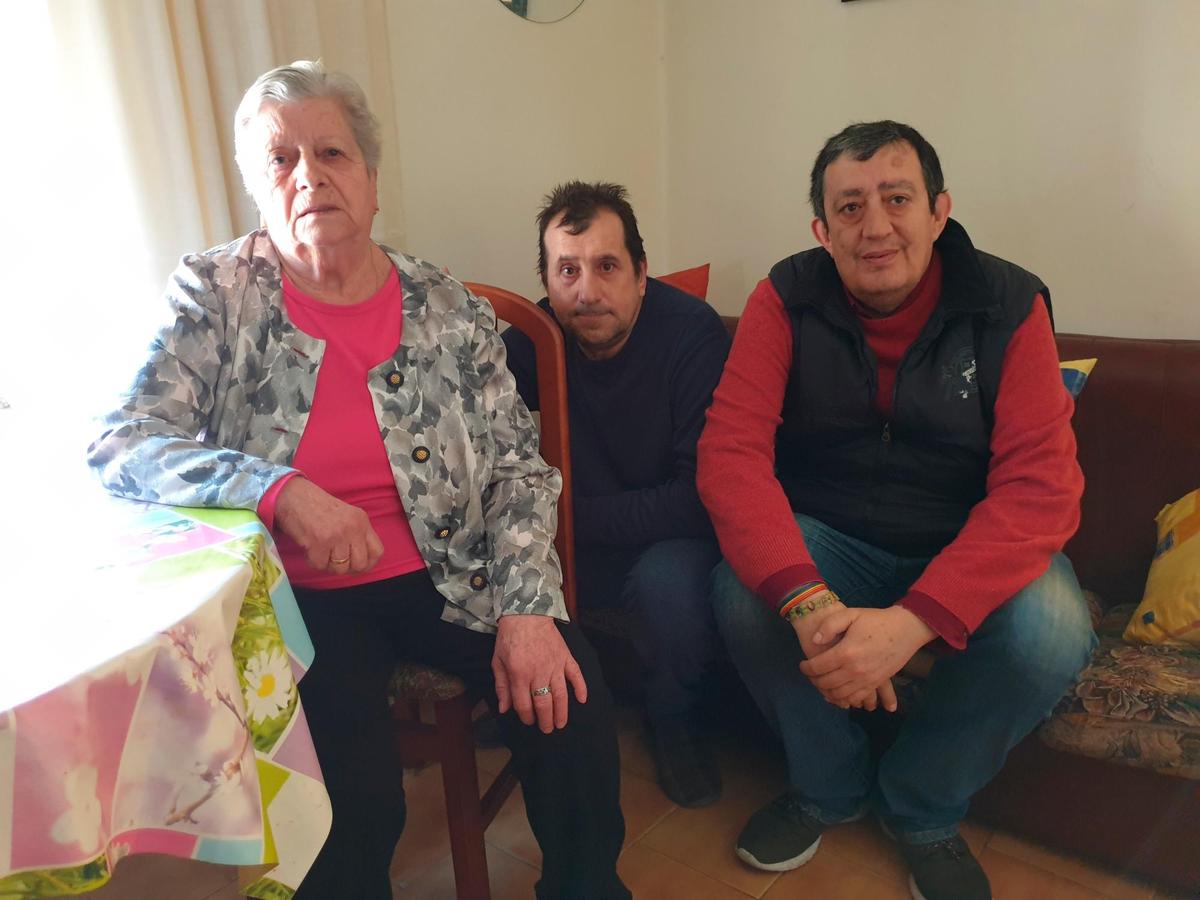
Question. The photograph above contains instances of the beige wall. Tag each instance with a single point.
(492, 111)
(1069, 131)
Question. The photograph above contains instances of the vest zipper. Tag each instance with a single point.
(885, 439)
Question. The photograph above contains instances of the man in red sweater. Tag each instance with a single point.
(888, 463)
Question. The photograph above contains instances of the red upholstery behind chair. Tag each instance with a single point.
(692, 281)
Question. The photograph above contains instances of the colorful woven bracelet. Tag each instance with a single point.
(811, 606)
(801, 599)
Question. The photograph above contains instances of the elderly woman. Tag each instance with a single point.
(357, 398)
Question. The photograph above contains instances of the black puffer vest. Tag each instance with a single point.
(907, 484)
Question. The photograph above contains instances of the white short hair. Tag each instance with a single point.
(307, 79)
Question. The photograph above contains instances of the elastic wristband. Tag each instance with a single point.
(804, 593)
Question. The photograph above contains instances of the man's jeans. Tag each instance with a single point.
(976, 705)
(665, 585)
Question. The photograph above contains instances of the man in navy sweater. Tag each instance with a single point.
(642, 361)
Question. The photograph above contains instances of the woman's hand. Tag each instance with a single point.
(335, 536)
(531, 655)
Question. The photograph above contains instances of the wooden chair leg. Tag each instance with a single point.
(416, 742)
(460, 783)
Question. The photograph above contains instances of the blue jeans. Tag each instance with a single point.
(976, 706)
(665, 585)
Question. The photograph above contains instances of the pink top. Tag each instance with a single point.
(341, 449)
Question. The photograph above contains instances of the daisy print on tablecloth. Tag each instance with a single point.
(260, 651)
(269, 686)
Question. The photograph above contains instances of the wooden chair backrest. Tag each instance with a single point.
(550, 353)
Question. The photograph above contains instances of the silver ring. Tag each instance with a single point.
(540, 692)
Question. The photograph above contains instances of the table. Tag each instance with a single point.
(148, 700)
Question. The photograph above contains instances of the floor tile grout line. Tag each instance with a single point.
(514, 856)
(708, 876)
(489, 845)
(645, 831)
(775, 876)
(1065, 877)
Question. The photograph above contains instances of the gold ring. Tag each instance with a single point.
(541, 692)
(339, 562)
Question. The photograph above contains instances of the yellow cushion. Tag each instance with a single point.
(1075, 373)
(1170, 609)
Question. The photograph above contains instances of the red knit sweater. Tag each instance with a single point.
(1034, 483)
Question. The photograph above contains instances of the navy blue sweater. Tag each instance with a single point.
(635, 420)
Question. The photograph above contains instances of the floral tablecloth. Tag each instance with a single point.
(148, 704)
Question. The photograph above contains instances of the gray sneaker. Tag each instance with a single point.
(945, 870)
(780, 836)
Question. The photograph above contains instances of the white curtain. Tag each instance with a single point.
(122, 151)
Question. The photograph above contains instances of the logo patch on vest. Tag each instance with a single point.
(958, 376)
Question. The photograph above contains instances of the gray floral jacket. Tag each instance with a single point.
(215, 415)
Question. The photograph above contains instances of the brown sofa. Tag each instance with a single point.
(1114, 776)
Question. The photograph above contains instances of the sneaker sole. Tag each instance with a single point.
(784, 866)
(708, 800)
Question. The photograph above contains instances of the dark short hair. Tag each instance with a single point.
(579, 202)
(861, 141)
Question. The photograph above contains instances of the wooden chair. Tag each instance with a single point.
(449, 740)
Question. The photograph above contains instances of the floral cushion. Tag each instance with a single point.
(413, 681)
(1134, 705)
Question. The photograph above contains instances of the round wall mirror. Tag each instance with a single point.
(542, 10)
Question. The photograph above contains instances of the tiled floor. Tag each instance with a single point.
(670, 853)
